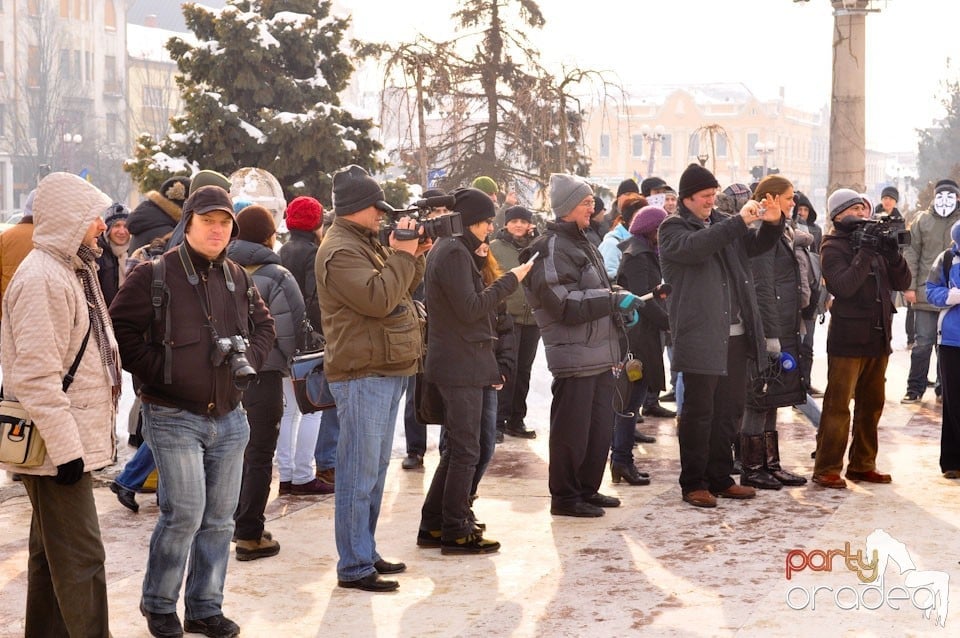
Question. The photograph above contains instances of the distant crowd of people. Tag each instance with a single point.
(699, 297)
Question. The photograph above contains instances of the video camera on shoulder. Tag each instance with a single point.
(446, 225)
(877, 233)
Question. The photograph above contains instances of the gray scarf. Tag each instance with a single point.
(99, 318)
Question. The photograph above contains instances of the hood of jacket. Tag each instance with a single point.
(63, 209)
(248, 253)
(802, 200)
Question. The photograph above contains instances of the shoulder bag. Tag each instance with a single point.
(20, 442)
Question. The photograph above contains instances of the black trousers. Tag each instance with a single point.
(66, 580)
(950, 429)
(709, 421)
(581, 428)
(447, 504)
(512, 397)
(263, 401)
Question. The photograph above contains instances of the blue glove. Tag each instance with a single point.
(626, 302)
(632, 319)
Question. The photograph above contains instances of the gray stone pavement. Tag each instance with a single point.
(654, 566)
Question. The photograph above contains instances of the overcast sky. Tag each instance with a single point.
(764, 44)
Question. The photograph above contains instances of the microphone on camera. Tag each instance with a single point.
(444, 201)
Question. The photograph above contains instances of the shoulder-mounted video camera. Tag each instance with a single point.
(884, 231)
(446, 225)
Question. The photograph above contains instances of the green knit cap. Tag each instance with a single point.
(485, 184)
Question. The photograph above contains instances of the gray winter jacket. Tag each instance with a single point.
(572, 302)
(281, 294)
(929, 237)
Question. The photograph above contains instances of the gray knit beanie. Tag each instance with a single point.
(842, 199)
(566, 191)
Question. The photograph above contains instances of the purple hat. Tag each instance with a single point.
(647, 220)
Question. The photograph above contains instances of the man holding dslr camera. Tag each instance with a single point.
(862, 265)
(192, 370)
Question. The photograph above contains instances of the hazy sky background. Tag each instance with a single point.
(764, 44)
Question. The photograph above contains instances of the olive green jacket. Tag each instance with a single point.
(368, 314)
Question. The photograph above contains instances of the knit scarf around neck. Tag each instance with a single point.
(99, 318)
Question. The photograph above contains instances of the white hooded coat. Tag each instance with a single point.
(45, 318)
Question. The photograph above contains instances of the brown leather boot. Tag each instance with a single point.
(771, 444)
(754, 474)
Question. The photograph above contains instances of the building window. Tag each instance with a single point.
(666, 145)
(3, 63)
(33, 66)
(605, 146)
(110, 84)
(109, 16)
(3, 120)
(65, 71)
(694, 145)
(112, 128)
(77, 68)
(153, 97)
(721, 142)
(637, 146)
(752, 139)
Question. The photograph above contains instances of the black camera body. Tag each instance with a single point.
(446, 225)
(880, 232)
(231, 351)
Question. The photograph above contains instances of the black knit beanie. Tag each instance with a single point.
(694, 179)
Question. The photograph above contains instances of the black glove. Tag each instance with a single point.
(70, 472)
(889, 248)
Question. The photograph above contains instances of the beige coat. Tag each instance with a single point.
(45, 318)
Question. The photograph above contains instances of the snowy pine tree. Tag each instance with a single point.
(261, 89)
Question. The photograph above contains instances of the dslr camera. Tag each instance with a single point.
(884, 231)
(232, 351)
(446, 225)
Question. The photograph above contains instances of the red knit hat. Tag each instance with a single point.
(304, 213)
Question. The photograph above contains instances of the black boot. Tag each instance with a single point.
(771, 446)
(751, 455)
(737, 465)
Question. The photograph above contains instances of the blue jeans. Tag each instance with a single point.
(137, 469)
(200, 461)
(325, 453)
(367, 407)
(926, 329)
(625, 423)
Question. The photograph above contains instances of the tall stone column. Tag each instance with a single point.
(847, 162)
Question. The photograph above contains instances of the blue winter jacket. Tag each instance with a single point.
(937, 290)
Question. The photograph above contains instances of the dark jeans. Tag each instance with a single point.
(624, 424)
(910, 324)
(712, 408)
(447, 503)
(512, 397)
(66, 581)
(263, 401)
(926, 342)
(414, 432)
(581, 428)
(488, 436)
(950, 429)
(805, 352)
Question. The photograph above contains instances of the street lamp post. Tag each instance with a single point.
(765, 149)
(70, 141)
(651, 137)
